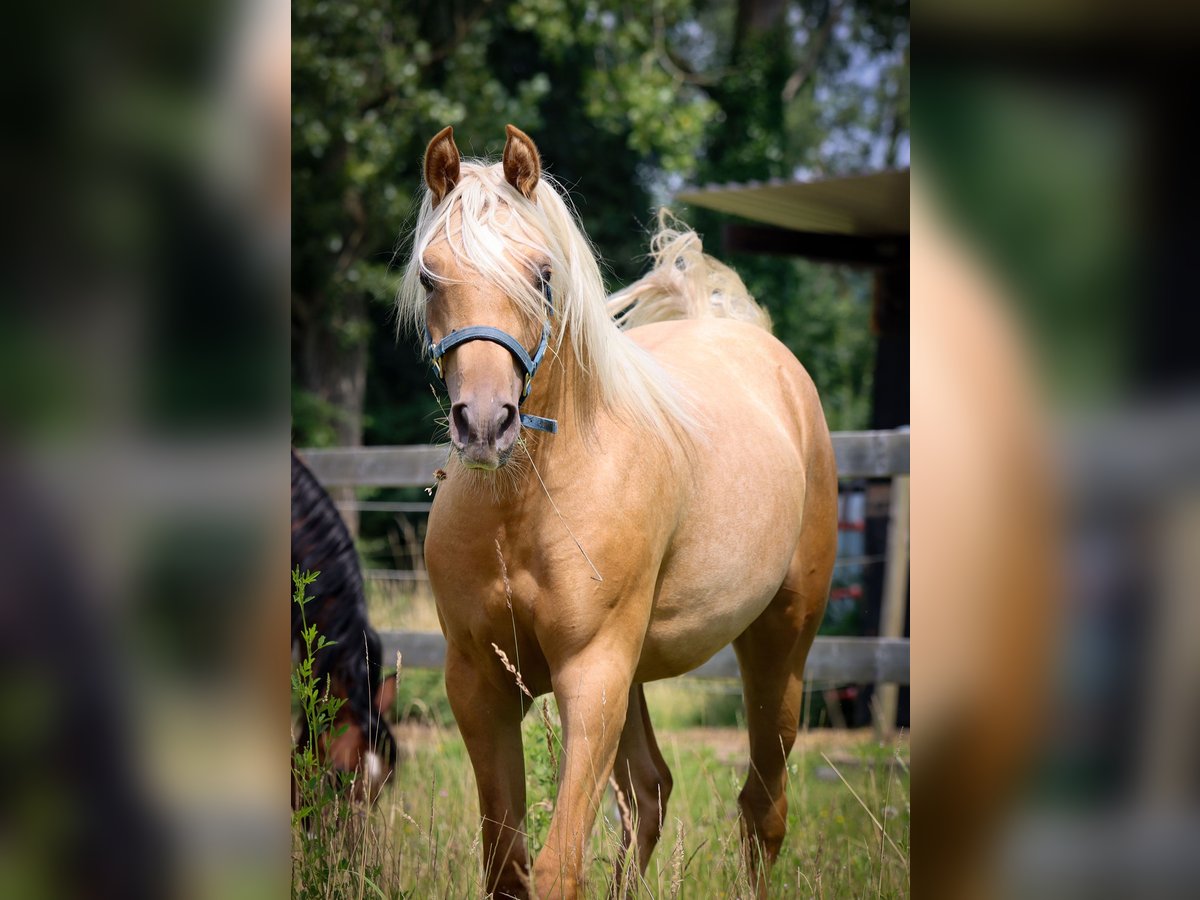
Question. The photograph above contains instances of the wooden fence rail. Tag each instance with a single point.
(860, 454)
(832, 660)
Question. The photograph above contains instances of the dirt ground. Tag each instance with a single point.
(732, 744)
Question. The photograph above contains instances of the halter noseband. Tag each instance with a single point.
(529, 363)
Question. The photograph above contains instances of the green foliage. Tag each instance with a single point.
(317, 707)
(681, 703)
(329, 841)
(629, 88)
(421, 698)
(313, 418)
(541, 735)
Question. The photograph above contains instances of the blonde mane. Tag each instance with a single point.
(483, 216)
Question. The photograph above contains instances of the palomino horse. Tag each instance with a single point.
(359, 740)
(687, 499)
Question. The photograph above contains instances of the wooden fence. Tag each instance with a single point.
(860, 454)
(832, 660)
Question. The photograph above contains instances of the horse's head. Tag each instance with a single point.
(349, 748)
(486, 274)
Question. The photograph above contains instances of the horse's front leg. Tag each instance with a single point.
(489, 719)
(593, 696)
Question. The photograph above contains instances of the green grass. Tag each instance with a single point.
(422, 838)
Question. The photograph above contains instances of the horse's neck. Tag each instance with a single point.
(561, 391)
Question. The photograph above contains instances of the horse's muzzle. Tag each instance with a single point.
(484, 432)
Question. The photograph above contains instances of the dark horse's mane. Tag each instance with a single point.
(322, 543)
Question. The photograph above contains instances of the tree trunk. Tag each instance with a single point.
(755, 17)
(333, 367)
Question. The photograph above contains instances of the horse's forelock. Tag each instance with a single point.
(478, 222)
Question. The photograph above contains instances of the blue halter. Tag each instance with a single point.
(528, 362)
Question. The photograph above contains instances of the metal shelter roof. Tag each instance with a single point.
(875, 204)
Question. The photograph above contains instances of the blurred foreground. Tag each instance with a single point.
(143, 426)
(1056, 448)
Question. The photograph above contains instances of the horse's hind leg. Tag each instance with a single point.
(645, 783)
(771, 653)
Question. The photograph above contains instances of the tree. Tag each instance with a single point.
(371, 81)
(627, 102)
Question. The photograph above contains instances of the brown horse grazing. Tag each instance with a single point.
(359, 741)
(687, 500)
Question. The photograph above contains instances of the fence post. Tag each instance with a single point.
(895, 595)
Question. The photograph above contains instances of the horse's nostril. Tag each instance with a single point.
(460, 423)
(505, 417)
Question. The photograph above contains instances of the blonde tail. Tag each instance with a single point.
(684, 283)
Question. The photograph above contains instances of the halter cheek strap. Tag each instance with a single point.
(529, 363)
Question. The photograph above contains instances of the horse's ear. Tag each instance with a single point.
(441, 164)
(522, 165)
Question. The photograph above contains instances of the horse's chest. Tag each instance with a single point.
(492, 621)
(524, 582)
(476, 598)
(480, 591)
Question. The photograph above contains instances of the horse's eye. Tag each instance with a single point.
(545, 275)
(426, 281)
